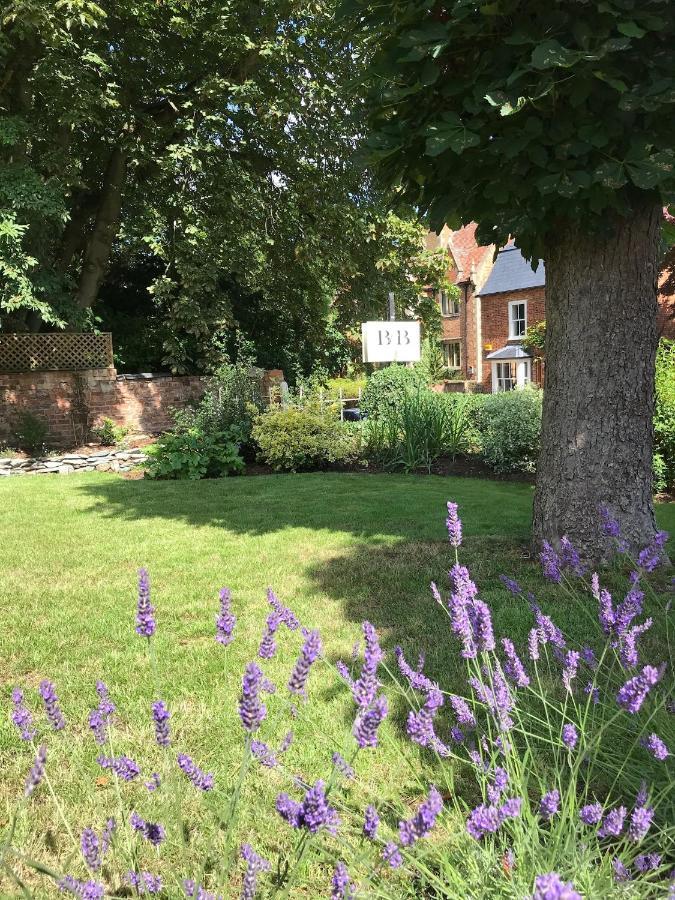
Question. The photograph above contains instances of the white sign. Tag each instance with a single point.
(390, 341)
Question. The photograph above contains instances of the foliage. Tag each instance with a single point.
(664, 411)
(530, 133)
(509, 425)
(30, 432)
(194, 453)
(431, 365)
(350, 387)
(535, 338)
(386, 389)
(659, 473)
(108, 433)
(564, 774)
(294, 438)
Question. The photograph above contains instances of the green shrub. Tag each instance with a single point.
(108, 433)
(509, 426)
(193, 453)
(659, 473)
(386, 389)
(664, 411)
(293, 439)
(30, 432)
(349, 386)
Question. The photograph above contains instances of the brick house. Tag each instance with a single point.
(482, 331)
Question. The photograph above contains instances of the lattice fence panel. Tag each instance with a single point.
(62, 350)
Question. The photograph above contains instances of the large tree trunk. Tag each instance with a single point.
(100, 242)
(601, 310)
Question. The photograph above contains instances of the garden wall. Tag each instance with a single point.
(72, 402)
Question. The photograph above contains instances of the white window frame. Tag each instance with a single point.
(447, 358)
(520, 374)
(512, 335)
(450, 304)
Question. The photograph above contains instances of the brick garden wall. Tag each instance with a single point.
(71, 403)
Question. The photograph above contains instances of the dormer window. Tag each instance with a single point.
(517, 319)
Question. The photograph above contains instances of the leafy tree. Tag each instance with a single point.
(550, 122)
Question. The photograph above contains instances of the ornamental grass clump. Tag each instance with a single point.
(548, 775)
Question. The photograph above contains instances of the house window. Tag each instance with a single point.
(449, 305)
(517, 319)
(452, 355)
(507, 376)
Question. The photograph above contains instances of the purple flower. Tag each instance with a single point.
(550, 887)
(640, 822)
(312, 813)
(549, 805)
(268, 646)
(145, 612)
(371, 822)
(416, 678)
(652, 555)
(85, 890)
(628, 644)
(612, 825)
(287, 616)
(364, 689)
(454, 525)
(497, 788)
(21, 716)
(392, 855)
(203, 781)
(145, 882)
(462, 712)
(482, 626)
(124, 767)
(151, 831)
(513, 667)
(483, 820)
(195, 891)
(547, 631)
(510, 809)
(297, 683)
(252, 710)
(631, 696)
(610, 525)
(51, 701)
(411, 830)
(99, 718)
(569, 736)
(497, 697)
(645, 862)
(37, 771)
(91, 849)
(591, 813)
(593, 692)
(225, 620)
(255, 864)
(264, 754)
(342, 887)
(107, 835)
(368, 721)
(533, 643)
(569, 556)
(420, 726)
(161, 716)
(621, 873)
(342, 766)
(588, 656)
(550, 563)
(154, 782)
(510, 584)
(656, 747)
(571, 667)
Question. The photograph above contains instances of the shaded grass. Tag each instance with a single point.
(337, 548)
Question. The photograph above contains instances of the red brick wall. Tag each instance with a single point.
(495, 321)
(71, 403)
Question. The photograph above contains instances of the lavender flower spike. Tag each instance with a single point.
(161, 716)
(423, 821)
(551, 887)
(21, 716)
(36, 774)
(569, 736)
(297, 683)
(549, 805)
(145, 612)
(656, 747)
(254, 865)
(225, 620)
(513, 667)
(591, 813)
(612, 825)
(368, 721)
(392, 855)
(364, 689)
(631, 696)
(145, 882)
(203, 781)
(151, 831)
(252, 710)
(51, 701)
(371, 823)
(342, 887)
(454, 525)
(91, 849)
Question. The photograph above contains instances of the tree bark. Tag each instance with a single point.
(597, 429)
(105, 228)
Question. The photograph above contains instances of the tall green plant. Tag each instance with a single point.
(664, 412)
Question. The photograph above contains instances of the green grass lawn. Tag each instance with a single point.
(337, 548)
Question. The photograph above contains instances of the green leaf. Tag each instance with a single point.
(631, 29)
(648, 173)
(551, 55)
(449, 136)
(610, 174)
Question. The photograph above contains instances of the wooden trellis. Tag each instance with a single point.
(61, 350)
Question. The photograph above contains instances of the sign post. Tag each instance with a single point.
(390, 341)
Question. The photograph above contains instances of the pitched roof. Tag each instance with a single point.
(512, 272)
(468, 254)
(511, 351)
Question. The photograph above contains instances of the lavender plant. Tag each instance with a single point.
(552, 771)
